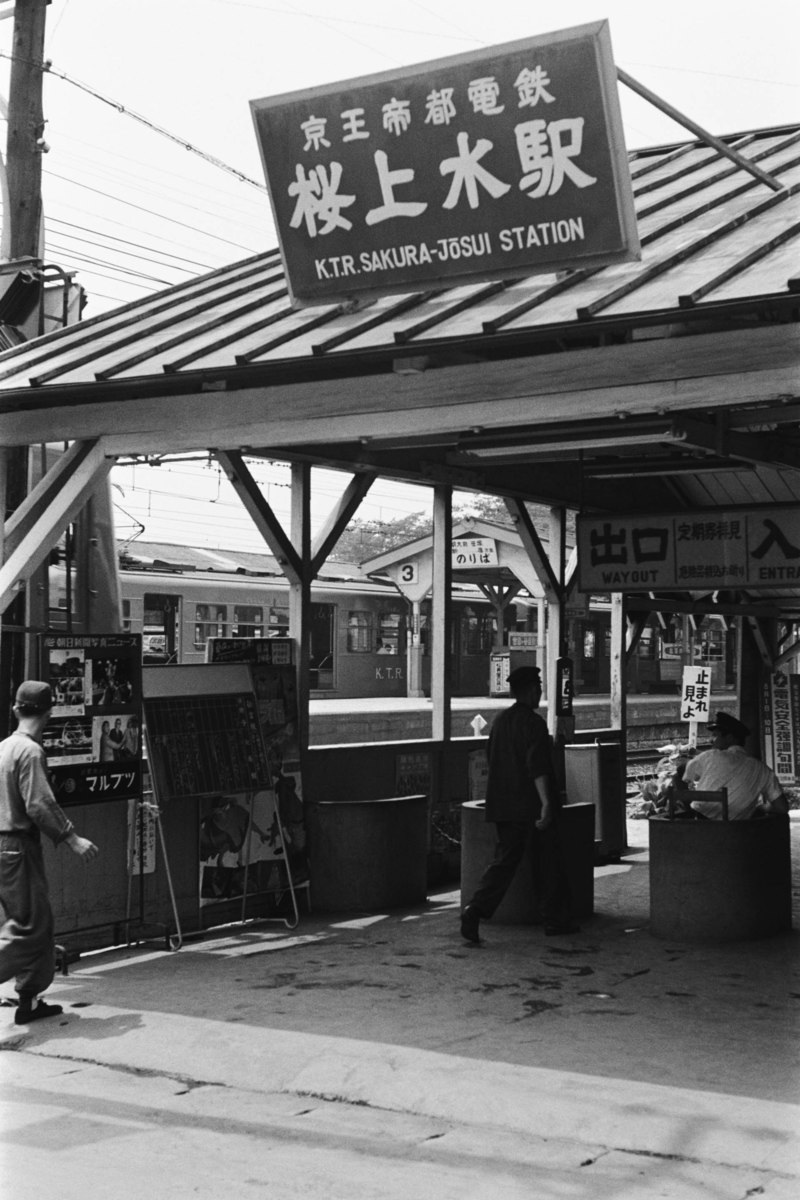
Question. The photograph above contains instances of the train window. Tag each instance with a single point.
(389, 633)
(359, 631)
(211, 620)
(126, 616)
(248, 621)
(278, 620)
(477, 631)
(712, 645)
(646, 646)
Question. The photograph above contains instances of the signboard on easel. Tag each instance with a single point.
(205, 738)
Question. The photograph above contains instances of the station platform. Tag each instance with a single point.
(606, 1063)
(333, 720)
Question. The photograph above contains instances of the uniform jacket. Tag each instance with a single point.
(519, 751)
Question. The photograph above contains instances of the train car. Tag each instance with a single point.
(358, 627)
(177, 598)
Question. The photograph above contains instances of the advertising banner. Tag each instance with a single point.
(277, 651)
(690, 551)
(500, 162)
(780, 725)
(93, 740)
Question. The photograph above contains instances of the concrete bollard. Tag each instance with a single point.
(720, 881)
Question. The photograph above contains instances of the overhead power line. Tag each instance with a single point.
(47, 68)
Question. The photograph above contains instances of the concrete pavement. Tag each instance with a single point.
(379, 1055)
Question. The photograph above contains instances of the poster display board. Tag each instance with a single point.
(498, 162)
(93, 740)
(225, 734)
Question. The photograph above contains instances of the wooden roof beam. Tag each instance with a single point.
(41, 519)
(263, 517)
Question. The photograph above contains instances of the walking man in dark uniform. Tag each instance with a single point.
(28, 809)
(522, 799)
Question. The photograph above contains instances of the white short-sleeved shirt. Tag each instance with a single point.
(745, 777)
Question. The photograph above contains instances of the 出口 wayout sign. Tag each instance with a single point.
(697, 551)
(498, 163)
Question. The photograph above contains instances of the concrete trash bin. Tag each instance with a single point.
(368, 855)
(720, 881)
(518, 906)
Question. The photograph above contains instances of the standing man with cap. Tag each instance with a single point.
(28, 809)
(753, 789)
(522, 800)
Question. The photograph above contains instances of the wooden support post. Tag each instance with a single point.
(440, 633)
(617, 687)
(300, 592)
(556, 627)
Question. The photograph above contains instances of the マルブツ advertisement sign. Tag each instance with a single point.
(93, 740)
(502, 162)
(690, 551)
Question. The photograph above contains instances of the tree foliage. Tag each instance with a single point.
(367, 539)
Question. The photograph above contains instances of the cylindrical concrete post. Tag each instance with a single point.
(720, 881)
(368, 855)
(518, 906)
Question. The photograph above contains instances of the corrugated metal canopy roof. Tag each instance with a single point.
(715, 240)
(649, 386)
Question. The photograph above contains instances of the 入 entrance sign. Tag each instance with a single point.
(690, 551)
(503, 162)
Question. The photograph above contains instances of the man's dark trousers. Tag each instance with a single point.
(544, 847)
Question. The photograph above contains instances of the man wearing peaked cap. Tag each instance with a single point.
(725, 723)
(522, 801)
(753, 789)
(28, 809)
(33, 696)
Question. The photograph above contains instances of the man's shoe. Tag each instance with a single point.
(560, 930)
(470, 925)
(29, 1011)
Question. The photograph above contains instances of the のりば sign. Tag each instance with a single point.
(498, 163)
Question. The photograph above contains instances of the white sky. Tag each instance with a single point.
(133, 212)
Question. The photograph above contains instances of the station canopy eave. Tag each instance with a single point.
(669, 384)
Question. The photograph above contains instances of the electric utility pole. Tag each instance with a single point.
(24, 173)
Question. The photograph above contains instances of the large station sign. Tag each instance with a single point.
(502, 162)
(759, 548)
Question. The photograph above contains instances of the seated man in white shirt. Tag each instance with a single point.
(753, 789)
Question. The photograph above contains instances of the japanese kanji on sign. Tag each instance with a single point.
(473, 552)
(696, 695)
(731, 549)
(502, 162)
(780, 725)
(93, 741)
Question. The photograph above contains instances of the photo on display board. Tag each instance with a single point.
(115, 738)
(111, 682)
(68, 682)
